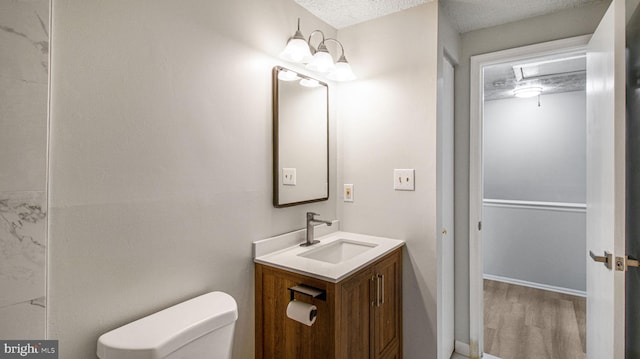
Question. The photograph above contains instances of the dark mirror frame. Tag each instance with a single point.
(276, 146)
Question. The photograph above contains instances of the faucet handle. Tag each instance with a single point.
(310, 215)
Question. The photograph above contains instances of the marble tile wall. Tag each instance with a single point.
(24, 40)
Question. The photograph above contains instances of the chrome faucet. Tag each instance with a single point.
(310, 223)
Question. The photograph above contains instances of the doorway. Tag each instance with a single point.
(567, 48)
(534, 207)
(609, 200)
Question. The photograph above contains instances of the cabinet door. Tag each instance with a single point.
(388, 307)
(356, 315)
(279, 337)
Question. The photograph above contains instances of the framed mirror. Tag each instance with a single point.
(300, 139)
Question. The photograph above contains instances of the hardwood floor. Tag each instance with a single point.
(528, 323)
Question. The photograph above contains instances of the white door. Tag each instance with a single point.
(446, 257)
(606, 184)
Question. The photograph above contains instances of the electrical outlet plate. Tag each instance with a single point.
(289, 176)
(403, 179)
(348, 193)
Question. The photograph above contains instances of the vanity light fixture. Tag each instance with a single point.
(528, 91)
(319, 60)
(309, 82)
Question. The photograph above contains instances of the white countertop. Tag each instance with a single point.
(290, 259)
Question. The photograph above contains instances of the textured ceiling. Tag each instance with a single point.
(554, 74)
(465, 15)
(469, 15)
(343, 13)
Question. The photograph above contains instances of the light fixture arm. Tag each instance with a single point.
(339, 43)
(313, 49)
(298, 34)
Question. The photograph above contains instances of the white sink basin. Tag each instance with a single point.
(338, 251)
(336, 257)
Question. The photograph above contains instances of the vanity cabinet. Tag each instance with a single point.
(370, 315)
(361, 316)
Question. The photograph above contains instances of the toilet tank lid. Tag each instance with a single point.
(161, 333)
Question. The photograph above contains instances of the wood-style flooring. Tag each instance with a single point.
(528, 323)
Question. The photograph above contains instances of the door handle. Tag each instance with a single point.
(623, 263)
(381, 278)
(378, 280)
(606, 259)
(374, 281)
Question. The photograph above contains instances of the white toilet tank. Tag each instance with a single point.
(199, 328)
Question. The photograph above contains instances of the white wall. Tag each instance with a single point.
(387, 120)
(536, 153)
(160, 143)
(562, 24)
(24, 59)
(540, 245)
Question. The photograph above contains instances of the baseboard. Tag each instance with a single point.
(524, 283)
(462, 352)
(484, 356)
(458, 356)
(462, 348)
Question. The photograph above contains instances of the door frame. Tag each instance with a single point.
(476, 191)
(446, 236)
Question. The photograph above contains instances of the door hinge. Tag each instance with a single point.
(623, 263)
(480, 225)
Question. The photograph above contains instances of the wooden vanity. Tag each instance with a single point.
(361, 316)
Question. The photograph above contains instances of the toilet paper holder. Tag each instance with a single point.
(307, 290)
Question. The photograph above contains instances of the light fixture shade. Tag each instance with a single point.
(322, 61)
(342, 71)
(309, 82)
(297, 50)
(529, 91)
(286, 75)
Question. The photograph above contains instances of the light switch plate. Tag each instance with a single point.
(403, 179)
(348, 193)
(289, 176)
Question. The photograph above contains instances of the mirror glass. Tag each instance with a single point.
(300, 139)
